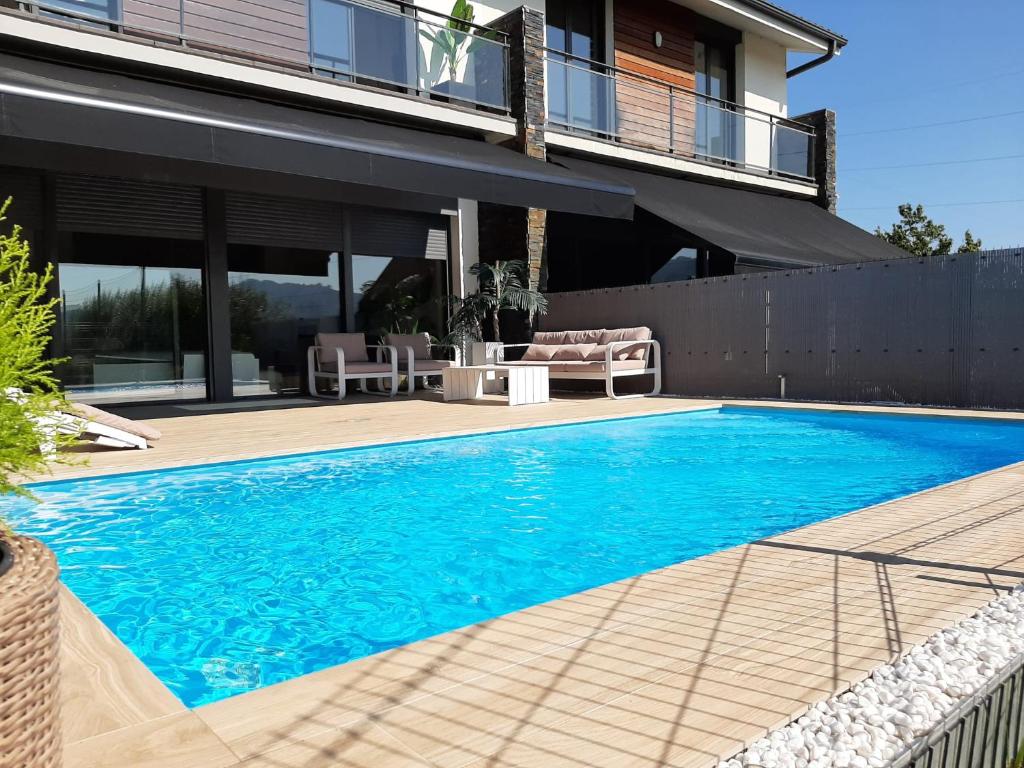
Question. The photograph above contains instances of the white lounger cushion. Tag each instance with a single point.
(90, 413)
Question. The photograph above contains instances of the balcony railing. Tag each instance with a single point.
(391, 45)
(639, 111)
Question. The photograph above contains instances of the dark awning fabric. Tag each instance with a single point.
(758, 228)
(49, 102)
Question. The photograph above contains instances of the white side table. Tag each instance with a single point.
(527, 384)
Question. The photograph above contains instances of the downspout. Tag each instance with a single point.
(832, 51)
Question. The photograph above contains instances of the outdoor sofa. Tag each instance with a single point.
(601, 355)
(342, 357)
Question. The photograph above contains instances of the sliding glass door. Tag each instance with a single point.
(133, 318)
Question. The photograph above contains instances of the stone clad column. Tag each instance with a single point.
(823, 121)
(508, 232)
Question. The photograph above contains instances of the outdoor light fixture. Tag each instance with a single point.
(657, 39)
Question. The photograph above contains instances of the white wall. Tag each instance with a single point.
(760, 84)
(465, 247)
(486, 11)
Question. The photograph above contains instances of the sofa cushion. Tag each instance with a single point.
(595, 367)
(572, 352)
(549, 337)
(641, 333)
(584, 337)
(420, 343)
(353, 345)
(540, 352)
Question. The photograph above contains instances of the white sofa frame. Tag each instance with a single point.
(342, 376)
(609, 374)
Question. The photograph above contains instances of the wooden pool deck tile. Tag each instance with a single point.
(678, 666)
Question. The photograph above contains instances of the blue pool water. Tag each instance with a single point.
(226, 578)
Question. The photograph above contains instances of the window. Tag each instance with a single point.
(398, 295)
(280, 298)
(355, 41)
(133, 318)
(580, 92)
(719, 126)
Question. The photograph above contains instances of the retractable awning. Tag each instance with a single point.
(758, 228)
(46, 102)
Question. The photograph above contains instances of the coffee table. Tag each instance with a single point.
(527, 384)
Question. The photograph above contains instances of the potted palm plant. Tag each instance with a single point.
(451, 49)
(29, 579)
(501, 287)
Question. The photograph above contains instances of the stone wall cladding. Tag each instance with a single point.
(507, 232)
(824, 123)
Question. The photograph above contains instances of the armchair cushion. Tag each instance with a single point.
(420, 343)
(353, 345)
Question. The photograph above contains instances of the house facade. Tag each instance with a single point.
(216, 181)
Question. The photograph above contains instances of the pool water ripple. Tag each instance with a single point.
(227, 578)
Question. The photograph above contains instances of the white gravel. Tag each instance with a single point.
(879, 718)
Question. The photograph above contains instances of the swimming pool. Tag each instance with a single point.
(230, 577)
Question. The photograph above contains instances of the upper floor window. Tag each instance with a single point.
(719, 127)
(576, 27)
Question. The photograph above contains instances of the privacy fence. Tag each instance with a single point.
(943, 330)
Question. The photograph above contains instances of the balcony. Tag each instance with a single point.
(391, 45)
(615, 105)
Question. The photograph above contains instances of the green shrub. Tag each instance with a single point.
(29, 392)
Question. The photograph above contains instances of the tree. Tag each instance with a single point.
(917, 234)
(970, 245)
(30, 397)
(501, 288)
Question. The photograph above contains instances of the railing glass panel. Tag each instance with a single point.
(374, 42)
(614, 104)
(356, 41)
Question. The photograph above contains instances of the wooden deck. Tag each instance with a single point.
(679, 666)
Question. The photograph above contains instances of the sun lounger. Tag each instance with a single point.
(91, 423)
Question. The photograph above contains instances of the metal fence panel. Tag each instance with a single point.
(944, 330)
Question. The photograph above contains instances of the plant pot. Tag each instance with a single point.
(30, 735)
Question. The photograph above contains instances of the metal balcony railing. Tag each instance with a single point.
(625, 107)
(389, 44)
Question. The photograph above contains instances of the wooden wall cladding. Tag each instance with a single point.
(275, 30)
(645, 116)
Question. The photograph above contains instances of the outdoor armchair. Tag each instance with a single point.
(416, 356)
(342, 357)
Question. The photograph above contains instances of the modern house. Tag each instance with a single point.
(216, 181)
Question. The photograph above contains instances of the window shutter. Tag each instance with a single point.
(378, 232)
(27, 190)
(129, 207)
(283, 221)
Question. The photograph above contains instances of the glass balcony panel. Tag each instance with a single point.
(581, 98)
(792, 151)
(356, 41)
(719, 132)
(645, 113)
(105, 10)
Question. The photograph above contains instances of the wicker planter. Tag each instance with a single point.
(30, 734)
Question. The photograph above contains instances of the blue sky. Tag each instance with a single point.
(911, 62)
